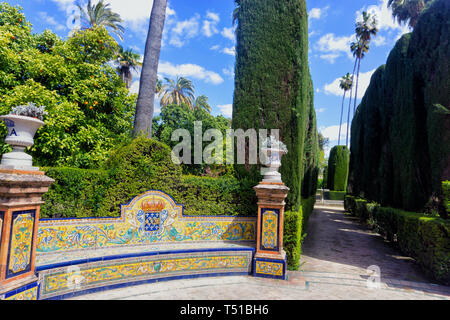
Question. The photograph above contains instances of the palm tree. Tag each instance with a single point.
(101, 14)
(365, 29)
(407, 11)
(149, 76)
(180, 91)
(201, 102)
(345, 84)
(127, 61)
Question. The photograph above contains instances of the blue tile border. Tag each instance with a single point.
(22, 289)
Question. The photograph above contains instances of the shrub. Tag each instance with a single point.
(446, 195)
(295, 223)
(292, 238)
(334, 195)
(338, 165)
(399, 148)
(274, 88)
(142, 165)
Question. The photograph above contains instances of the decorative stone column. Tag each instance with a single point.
(270, 258)
(20, 200)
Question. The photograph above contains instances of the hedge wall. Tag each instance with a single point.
(273, 87)
(399, 149)
(338, 165)
(295, 223)
(423, 237)
(143, 165)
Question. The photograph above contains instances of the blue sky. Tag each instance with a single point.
(199, 42)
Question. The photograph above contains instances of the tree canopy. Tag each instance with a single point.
(89, 107)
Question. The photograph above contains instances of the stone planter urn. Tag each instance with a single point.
(272, 151)
(21, 131)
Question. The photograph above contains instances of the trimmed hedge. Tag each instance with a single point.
(423, 237)
(399, 147)
(446, 195)
(141, 166)
(338, 163)
(334, 195)
(273, 89)
(295, 223)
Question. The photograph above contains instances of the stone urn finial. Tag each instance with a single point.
(271, 152)
(22, 124)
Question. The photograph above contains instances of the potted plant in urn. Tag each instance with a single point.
(22, 123)
(271, 152)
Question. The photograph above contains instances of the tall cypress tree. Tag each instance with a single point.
(273, 84)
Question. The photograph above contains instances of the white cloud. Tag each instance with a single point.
(226, 110)
(230, 51)
(215, 47)
(184, 30)
(364, 81)
(317, 13)
(210, 24)
(330, 44)
(332, 132)
(228, 33)
(190, 71)
(51, 21)
(229, 72)
(321, 110)
(331, 57)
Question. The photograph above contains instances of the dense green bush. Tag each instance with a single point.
(295, 223)
(334, 195)
(133, 169)
(292, 238)
(446, 195)
(399, 148)
(89, 107)
(274, 89)
(338, 163)
(423, 237)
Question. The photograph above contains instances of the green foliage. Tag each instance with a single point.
(90, 109)
(446, 195)
(174, 117)
(292, 238)
(425, 238)
(338, 168)
(335, 195)
(399, 152)
(76, 193)
(274, 89)
(133, 169)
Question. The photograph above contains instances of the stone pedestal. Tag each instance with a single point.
(270, 258)
(20, 200)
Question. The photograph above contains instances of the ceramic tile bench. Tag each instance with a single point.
(151, 241)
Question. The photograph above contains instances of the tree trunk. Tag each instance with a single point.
(350, 102)
(357, 82)
(342, 114)
(147, 87)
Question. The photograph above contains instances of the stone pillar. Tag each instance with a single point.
(20, 201)
(270, 258)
